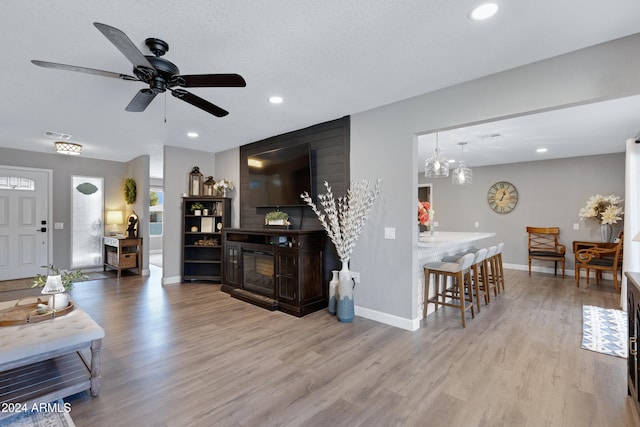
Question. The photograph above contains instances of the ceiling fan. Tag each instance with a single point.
(157, 72)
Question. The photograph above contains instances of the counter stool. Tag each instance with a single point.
(478, 272)
(459, 272)
(498, 267)
(490, 270)
(480, 276)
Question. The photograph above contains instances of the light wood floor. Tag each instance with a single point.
(189, 355)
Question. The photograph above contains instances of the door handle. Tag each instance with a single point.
(43, 229)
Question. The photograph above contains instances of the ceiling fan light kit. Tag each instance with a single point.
(68, 148)
(158, 73)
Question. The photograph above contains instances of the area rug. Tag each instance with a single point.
(56, 416)
(604, 330)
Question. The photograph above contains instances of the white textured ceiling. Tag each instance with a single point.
(326, 59)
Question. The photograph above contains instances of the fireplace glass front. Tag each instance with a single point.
(258, 272)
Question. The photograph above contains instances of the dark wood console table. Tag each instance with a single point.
(275, 269)
(633, 314)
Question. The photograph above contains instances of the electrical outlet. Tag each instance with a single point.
(476, 224)
(355, 276)
(435, 223)
(576, 226)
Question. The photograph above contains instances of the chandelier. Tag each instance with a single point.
(436, 166)
(462, 175)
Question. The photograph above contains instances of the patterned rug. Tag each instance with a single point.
(604, 330)
(55, 414)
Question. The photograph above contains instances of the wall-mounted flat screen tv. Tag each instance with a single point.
(278, 177)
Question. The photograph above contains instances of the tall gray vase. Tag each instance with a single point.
(605, 232)
(344, 303)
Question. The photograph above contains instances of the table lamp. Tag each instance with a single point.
(114, 219)
(52, 287)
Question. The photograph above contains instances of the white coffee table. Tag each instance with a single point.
(43, 362)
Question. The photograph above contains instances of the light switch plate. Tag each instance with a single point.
(58, 225)
(390, 233)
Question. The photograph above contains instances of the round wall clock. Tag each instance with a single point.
(502, 197)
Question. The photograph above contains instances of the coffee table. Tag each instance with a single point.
(43, 362)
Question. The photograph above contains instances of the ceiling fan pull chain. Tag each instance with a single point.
(165, 107)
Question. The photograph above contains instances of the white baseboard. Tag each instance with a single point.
(171, 280)
(549, 270)
(387, 319)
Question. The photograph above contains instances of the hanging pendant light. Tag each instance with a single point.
(462, 175)
(436, 166)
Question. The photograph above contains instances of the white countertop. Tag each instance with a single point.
(443, 239)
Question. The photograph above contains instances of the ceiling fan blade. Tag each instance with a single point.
(140, 102)
(210, 80)
(82, 70)
(196, 101)
(125, 46)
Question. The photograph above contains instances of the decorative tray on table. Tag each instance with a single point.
(32, 312)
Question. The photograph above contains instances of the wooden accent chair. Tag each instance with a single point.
(600, 259)
(544, 245)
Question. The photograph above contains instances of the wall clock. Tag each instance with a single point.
(502, 197)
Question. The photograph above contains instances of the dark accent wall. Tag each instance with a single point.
(329, 145)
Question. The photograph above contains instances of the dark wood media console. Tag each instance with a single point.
(276, 269)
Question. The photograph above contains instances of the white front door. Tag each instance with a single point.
(24, 227)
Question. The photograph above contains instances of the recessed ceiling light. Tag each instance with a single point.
(276, 100)
(541, 150)
(484, 11)
(192, 134)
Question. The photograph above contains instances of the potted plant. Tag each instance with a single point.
(276, 218)
(68, 278)
(196, 208)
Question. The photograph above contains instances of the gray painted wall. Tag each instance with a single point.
(550, 192)
(139, 169)
(178, 162)
(228, 167)
(383, 145)
(63, 168)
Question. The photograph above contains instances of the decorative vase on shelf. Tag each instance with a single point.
(344, 303)
(333, 291)
(605, 232)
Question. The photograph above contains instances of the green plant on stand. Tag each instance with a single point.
(276, 218)
(197, 206)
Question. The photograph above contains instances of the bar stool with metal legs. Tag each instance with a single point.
(459, 272)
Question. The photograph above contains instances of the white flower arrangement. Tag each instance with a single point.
(603, 208)
(344, 218)
(223, 185)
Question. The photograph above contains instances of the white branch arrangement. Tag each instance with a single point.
(344, 218)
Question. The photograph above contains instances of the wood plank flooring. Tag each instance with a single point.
(189, 355)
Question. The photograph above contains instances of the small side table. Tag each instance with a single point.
(122, 253)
